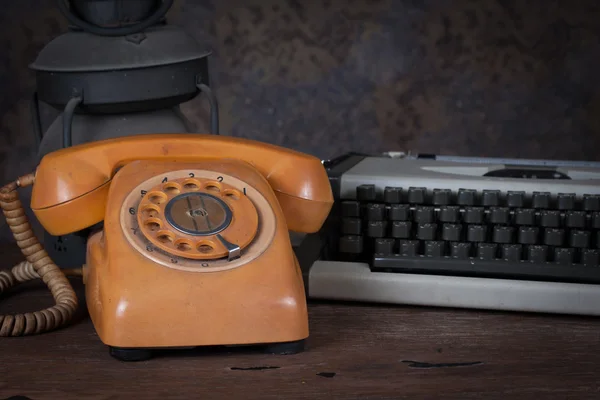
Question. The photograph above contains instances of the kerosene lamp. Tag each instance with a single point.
(119, 70)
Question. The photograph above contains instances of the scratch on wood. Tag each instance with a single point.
(326, 374)
(253, 368)
(18, 397)
(419, 364)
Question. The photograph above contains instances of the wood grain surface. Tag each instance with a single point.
(356, 351)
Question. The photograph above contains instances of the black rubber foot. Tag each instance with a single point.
(122, 354)
(286, 347)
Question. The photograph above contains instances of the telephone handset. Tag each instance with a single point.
(194, 249)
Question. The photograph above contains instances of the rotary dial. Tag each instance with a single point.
(198, 218)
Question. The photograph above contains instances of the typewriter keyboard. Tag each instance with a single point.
(484, 233)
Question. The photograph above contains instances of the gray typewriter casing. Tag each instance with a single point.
(328, 278)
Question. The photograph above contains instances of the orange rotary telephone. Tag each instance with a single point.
(194, 249)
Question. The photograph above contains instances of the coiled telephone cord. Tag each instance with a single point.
(38, 265)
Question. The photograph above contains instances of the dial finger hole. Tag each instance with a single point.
(183, 245)
(157, 197)
(232, 194)
(205, 247)
(213, 187)
(172, 188)
(165, 236)
(150, 211)
(191, 184)
(153, 224)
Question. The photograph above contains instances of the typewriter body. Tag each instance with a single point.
(504, 234)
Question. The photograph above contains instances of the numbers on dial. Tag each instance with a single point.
(149, 248)
(244, 191)
(173, 261)
(132, 210)
(220, 178)
(204, 264)
(165, 179)
(143, 193)
(135, 230)
(191, 174)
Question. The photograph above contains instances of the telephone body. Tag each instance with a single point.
(194, 248)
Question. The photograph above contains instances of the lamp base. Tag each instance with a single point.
(69, 251)
(87, 128)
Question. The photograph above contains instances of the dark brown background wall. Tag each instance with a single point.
(492, 78)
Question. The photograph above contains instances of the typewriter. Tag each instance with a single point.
(481, 233)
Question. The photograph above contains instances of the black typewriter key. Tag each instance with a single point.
(460, 250)
(466, 197)
(434, 249)
(565, 201)
(423, 214)
(528, 234)
(426, 231)
(449, 214)
(591, 202)
(376, 229)
(384, 247)
(515, 199)
(563, 255)
(554, 237)
(486, 251)
(511, 252)
(579, 239)
(595, 220)
(351, 244)
(392, 195)
(375, 212)
(473, 215)
(409, 247)
(537, 253)
(350, 208)
(502, 234)
(401, 229)
(351, 226)
(399, 212)
(416, 195)
(540, 200)
(525, 216)
(550, 218)
(575, 219)
(590, 257)
(476, 233)
(366, 192)
(490, 198)
(441, 197)
(499, 215)
(451, 232)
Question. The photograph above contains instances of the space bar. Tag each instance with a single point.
(486, 268)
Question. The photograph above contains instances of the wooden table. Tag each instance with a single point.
(356, 351)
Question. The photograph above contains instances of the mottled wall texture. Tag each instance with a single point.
(490, 78)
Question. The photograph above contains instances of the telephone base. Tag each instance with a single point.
(285, 348)
(142, 354)
(126, 354)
